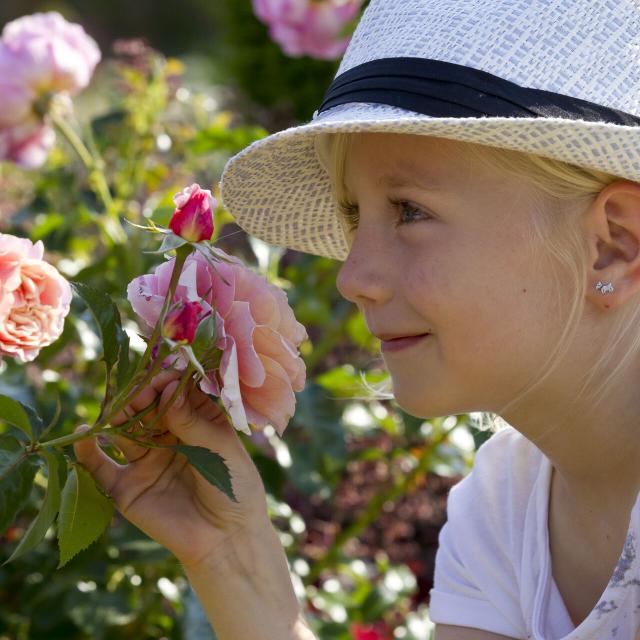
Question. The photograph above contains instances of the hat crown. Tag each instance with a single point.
(580, 48)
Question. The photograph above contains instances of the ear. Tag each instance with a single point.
(613, 232)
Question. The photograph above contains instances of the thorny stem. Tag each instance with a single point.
(181, 257)
(140, 377)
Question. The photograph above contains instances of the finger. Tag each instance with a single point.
(146, 396)
(134, 451)
(189, 425)
(104, 470)
(130, 450)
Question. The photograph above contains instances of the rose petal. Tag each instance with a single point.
(241, 325)
(274, 400)
(230, 394)
(270, 343)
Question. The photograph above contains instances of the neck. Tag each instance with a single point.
(595, 451)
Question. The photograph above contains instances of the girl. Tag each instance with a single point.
(476, 165)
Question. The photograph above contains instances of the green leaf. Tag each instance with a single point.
(204, 345)
(85, 513)
(124, 368)
(20, 415)
(50, 506)
(169, 242)
(17, 471)
(115, 341)
(210, 465)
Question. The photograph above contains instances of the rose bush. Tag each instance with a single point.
(34, 299)
(308, 27)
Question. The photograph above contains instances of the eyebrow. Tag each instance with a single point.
(428, 184)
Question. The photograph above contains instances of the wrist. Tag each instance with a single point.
(232, 555)
(245, 588)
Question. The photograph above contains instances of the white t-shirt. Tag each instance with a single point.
(493, 565)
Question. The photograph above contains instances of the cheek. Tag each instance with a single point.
(440, 286)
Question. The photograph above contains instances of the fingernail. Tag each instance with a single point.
(82, 427)
(179, 400)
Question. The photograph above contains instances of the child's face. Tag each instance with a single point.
(466, 275)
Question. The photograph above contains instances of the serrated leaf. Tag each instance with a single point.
(115, 341)
(20, 415)
(85, 512)
(17, 470)
(51, 504)
(210, 465)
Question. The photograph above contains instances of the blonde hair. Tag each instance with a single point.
(563, 193)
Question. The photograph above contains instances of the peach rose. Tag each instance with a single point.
(256, 330)
(34, 299)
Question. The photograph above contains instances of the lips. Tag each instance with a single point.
(389, 337)
(402, 342)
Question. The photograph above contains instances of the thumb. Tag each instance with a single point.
(103, 469)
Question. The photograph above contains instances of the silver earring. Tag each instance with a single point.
(604, 288)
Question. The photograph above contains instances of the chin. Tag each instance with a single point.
(417, 407)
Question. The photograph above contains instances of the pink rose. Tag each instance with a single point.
(16, 96)
(308, 27)
(34, 299)
(193, 217)
(50, 54)
(27, 144)
(182, 322)
(256, 330)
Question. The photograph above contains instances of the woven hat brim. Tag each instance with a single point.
(278, 191)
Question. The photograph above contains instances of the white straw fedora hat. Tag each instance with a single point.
(558, 78)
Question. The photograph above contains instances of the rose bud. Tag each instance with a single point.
(181, 323)
(193, 217)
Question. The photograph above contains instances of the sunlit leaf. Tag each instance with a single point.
(85, 512)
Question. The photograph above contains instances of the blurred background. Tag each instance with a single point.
(357, 488)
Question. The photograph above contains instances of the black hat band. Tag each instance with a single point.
(449, 90)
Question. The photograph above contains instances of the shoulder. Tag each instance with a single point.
(480, 554)
(488, 510)
(504, 471)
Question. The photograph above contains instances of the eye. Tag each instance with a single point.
(409, 213)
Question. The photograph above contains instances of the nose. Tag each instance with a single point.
(365, 276)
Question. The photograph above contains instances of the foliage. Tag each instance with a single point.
(346, 462)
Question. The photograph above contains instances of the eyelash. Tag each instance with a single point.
(349, 212)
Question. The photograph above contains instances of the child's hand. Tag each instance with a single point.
(163, 495)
